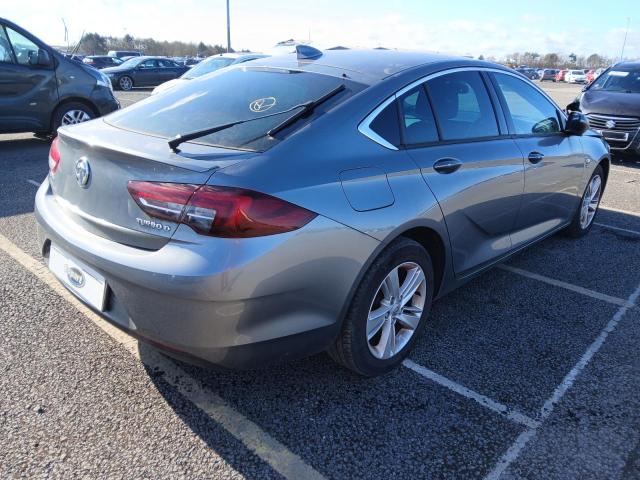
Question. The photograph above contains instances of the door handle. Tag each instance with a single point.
(535, 157)
(447, 165)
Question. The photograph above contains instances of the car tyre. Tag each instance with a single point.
(367, 350)
(125, 83)
(71, 113)
(585, 215)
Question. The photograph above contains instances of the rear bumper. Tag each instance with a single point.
(237, 303)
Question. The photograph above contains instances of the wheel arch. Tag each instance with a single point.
(428, 237)
(72, 99)
(605, 163)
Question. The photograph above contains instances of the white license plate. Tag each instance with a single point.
(85, 282)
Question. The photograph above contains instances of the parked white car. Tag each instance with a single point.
(576, 76)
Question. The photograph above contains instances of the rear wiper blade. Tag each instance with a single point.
(305, 108)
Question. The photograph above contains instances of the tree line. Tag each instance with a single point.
(554, 60)
(96, 44)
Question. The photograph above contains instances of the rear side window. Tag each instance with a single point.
(418, 123)
(531, 112)
(462, 106)
(386, 124)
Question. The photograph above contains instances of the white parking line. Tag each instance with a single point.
(270, 450)
(516, 448)
(567, 286)
(611, 227)
(33, 182)
(483, 400)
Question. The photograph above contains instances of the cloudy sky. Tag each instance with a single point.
(489, 27)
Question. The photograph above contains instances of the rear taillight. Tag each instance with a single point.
(219, 211)
(54, 157)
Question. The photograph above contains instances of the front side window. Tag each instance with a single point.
(26, 51)
(417, 120)
(531, 112)
(149, 64)
(462, 106)
(6, 55)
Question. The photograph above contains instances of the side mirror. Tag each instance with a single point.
(577, 123)
(44, 59)
(573, 106)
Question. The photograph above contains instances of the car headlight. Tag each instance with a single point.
(104, 81)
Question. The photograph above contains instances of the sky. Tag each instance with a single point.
(489, 28)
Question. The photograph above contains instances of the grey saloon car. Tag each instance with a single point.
(318, 201)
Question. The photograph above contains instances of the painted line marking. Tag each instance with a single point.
(483, 400)
(567, 286)
(33, 182)
(618, 210)
(611, 227)
(263, 445)
(547, 409)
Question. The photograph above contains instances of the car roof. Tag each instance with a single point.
(365, 66)
(635, 65)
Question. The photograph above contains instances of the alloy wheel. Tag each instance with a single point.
(125, 83)
(590, 202)
(73, 117)
(396, 310)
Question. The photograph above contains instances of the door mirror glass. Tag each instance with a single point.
(573, 106)
(577, 123)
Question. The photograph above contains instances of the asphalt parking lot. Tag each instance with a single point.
(530, 371)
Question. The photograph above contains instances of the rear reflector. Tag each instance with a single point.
(54, 157)
(219, 211)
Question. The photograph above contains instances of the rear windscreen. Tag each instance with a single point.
(230, 95)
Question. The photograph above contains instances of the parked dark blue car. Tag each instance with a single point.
(144, 72)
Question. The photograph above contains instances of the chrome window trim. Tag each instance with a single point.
(364, 126)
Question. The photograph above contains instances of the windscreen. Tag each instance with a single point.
(207, 66)
(626, 81)
(230, 95)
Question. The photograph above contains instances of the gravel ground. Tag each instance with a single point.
(75, 403)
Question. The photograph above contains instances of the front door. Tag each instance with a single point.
(27, 90)
(148, 73)
(554, 162)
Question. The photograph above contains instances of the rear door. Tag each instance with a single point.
(554, 161)
(459, 141)
(27, 90)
